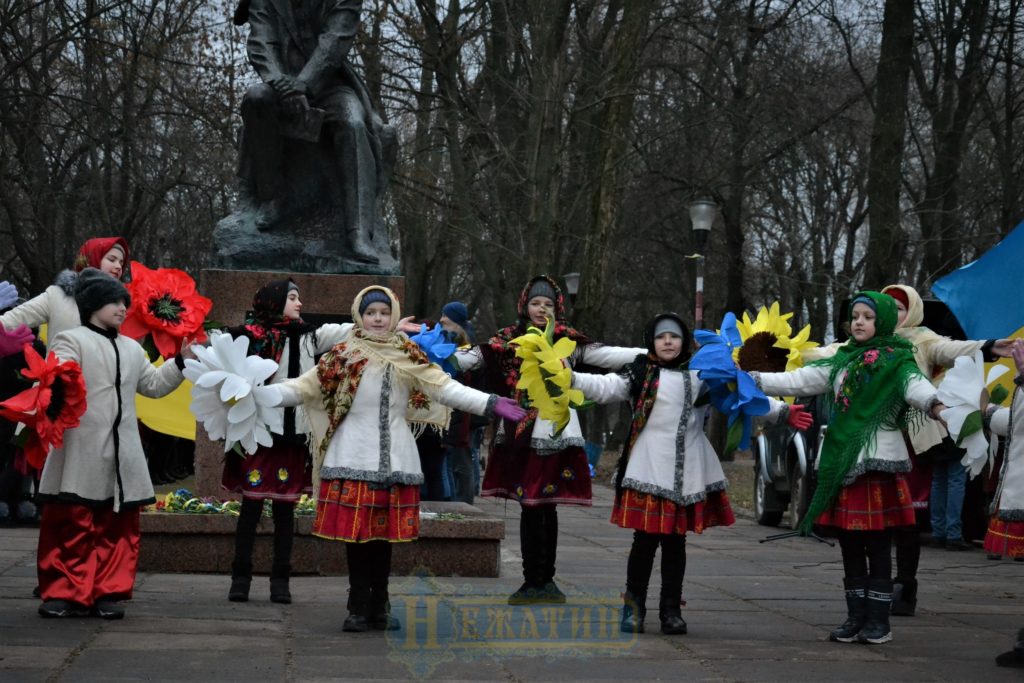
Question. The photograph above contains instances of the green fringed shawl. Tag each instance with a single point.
(871, 397)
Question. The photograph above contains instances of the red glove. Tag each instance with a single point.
(507, 409)
(799, 419)
(15, 340)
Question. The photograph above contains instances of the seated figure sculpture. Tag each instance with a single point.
(314, 155)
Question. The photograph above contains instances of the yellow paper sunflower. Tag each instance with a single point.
(768, 342)
(546, 379)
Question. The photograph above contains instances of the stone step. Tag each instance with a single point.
(467, 543)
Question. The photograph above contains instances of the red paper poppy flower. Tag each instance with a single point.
(55, 402)
(165, 304)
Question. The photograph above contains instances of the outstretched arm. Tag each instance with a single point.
(609, 388)
(807, 381)
(610, 357)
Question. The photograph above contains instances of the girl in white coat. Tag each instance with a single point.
(359, 401)
(670, 480)
(56, 307)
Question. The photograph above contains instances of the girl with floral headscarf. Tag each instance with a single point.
(877, 391)
(529, 462)
(279, 473)
(55, 307)
(359, 402)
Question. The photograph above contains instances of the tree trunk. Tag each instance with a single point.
(887, 242)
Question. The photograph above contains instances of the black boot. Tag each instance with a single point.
(634, 611)
(551, 592)
(876, 629)
(638, 576)
(856, 611)
(379, 609)
(245, 539)
(904, 597)
(358, 605)
(671, 614)
(1013, 658)
(531, 544)
(241, 579)
(673, 569)
(284, 534)
(279, 590)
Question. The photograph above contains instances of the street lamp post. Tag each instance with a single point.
(572, 286)
(702, 217)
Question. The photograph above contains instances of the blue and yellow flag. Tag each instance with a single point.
(984, 294)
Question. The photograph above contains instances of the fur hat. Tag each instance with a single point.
(95, 289)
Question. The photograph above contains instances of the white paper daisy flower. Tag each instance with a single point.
(229, 395)
(963, 389)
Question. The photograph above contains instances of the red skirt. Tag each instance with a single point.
(86, 554)
(873, 502)
(1005, 538)
(350, 510)
(278, 472)
(532, 479)
(656, 515)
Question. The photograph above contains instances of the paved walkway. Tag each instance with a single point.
(756, 612)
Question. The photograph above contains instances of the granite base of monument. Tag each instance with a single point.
(461, 540)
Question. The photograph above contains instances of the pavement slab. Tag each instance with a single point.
(756, 612)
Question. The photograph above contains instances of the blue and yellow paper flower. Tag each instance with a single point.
(732, 391)
(437, 347)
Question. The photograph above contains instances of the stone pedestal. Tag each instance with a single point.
(467, 546)
(323, 297)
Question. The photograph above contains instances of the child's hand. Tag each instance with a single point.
(1017, 351)
(408, 326)
(507, 409)
(936, 412)
(8, 294)
(186, 352)
(799, 419)
(15, 340)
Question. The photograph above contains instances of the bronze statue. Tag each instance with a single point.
(315, 157)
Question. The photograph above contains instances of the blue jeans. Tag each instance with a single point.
(949, 478)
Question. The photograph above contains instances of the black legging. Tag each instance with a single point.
(284, 533)
(867, 553)
(641, 561)
(908, 552)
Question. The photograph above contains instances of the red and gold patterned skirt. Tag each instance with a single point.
(1005, 538)
(349, 510)
(873, 502)
(657, 515)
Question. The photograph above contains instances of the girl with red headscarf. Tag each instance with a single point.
(55, 307)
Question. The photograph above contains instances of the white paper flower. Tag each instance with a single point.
(229, 395)
(962, 390)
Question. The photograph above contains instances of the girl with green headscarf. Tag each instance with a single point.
(877, 390)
